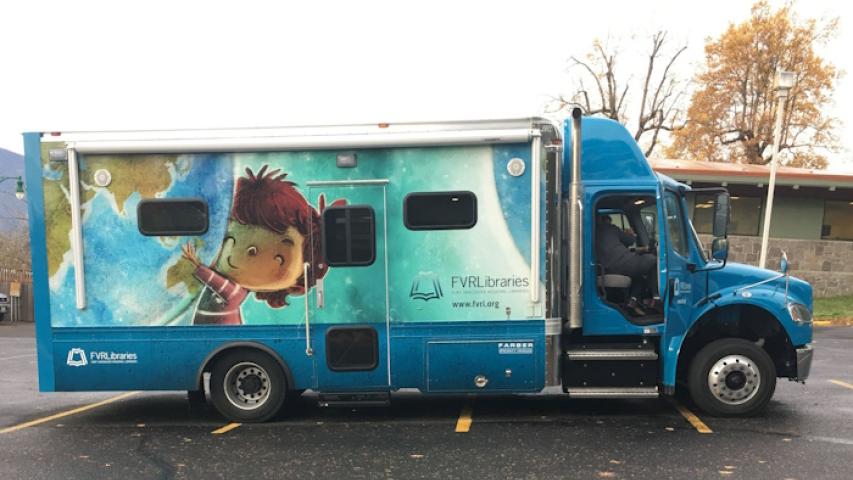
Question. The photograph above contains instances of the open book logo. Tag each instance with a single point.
(76, 358)
(426, 287)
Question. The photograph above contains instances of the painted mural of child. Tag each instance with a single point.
(272, 231)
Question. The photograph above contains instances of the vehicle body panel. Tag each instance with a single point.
(135, 337)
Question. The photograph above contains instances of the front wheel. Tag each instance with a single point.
(732, 377)
(247, 386)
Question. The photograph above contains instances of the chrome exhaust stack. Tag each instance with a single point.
(575, 227)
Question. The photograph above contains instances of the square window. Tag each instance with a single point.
(352, 348)
(349, 236)
(836, 220)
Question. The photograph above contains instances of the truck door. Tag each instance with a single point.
(347, 311)
(677, 289)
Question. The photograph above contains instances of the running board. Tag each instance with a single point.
(612, 354)
(364, 399)
(613, 392)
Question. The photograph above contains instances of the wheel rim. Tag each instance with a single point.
(734, 379)
(247, 385)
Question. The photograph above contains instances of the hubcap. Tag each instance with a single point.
(247, 385)
(734, 379)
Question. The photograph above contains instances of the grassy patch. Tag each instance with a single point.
(833, 307)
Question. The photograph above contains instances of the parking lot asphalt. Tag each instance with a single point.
(807, 433)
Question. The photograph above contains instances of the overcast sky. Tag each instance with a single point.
(169, 64)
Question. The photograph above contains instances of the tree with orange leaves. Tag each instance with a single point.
(732, 111)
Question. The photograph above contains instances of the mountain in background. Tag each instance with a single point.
(11, 209)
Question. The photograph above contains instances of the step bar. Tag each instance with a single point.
(613, 392)
(366, 399)
(612, 354)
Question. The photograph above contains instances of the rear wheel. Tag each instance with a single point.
(247, 386)
(732, 377)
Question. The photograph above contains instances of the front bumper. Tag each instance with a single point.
(804, 362)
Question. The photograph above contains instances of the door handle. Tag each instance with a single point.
(308, 350)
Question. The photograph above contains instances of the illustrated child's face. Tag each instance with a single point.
(260, 259)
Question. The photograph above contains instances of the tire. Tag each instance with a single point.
(247, 386)
(732, 377)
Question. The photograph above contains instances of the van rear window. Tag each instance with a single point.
(162, 217)
(440, 210)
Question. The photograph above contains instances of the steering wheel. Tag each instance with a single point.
(652, 247)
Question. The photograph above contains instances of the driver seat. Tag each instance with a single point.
(609, 283)
(611, 280)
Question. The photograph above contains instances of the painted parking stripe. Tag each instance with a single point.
(73, 411)
(464, 422)
(842, 384)
(697, 423)
(226, 428)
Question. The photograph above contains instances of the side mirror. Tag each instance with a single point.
(722, 208)
(720, 249)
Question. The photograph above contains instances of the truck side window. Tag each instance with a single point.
(161, 217)
(440, 210)
(349, 236)
(675, 224)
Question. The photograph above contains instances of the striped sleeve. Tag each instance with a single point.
(221, 285)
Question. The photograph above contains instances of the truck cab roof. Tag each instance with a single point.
(610, 155)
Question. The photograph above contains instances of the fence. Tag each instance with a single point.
(18, 286)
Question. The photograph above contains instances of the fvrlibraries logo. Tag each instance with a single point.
(425, 287)
(76, 358)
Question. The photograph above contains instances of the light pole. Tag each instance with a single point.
(784, 83)
(19, 189)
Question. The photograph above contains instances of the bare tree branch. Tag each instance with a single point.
(659, 93)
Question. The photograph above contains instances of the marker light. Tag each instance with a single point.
(19, 190)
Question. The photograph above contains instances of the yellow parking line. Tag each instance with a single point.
(842, 384)
(698, 424)
(66, 413)
(226, 428)
(464, 422)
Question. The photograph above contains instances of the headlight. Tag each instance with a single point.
(800, 313)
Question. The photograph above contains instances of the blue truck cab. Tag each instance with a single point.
(725, 330)
(482, 257)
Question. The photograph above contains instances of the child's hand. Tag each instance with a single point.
(190, 254)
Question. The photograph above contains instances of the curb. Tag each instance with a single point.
(832, 323)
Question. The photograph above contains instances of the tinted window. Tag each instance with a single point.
(440, 210)
(675, 224)
(836, 220)
(169, 217)
(745, 214)
(349, 236)
(352, 348)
